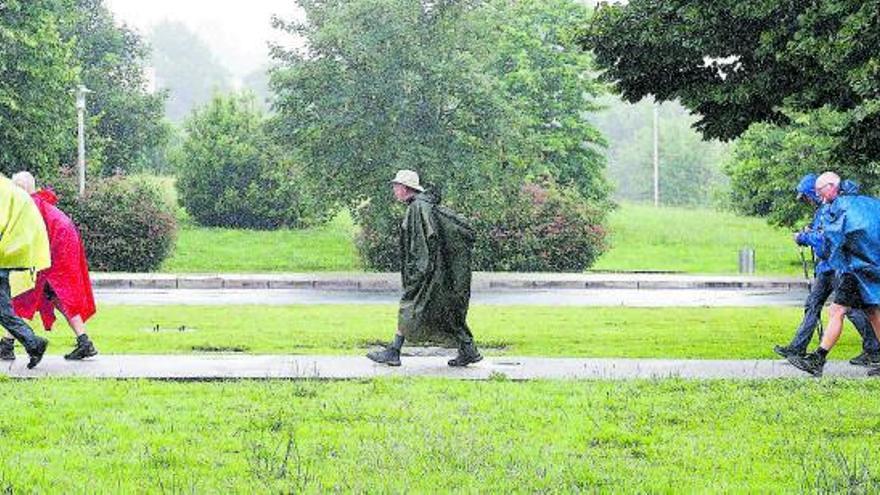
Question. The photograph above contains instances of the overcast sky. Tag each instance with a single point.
(236, 30)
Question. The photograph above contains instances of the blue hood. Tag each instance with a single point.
(807, 188)
(848, 188)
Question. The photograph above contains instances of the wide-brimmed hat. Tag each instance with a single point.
(409, 179)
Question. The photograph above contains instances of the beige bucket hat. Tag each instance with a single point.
(409, 179)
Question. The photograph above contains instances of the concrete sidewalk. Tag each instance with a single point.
(360, 281)
(207, 367)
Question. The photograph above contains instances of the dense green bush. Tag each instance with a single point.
(126, 224)
(768, 161)
(232, 174)
(540, 227)
(543, 228)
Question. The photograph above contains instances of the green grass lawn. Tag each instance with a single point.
(209, 250)
(431, 435)
(710, 333)
(694, 240)
(215, 250)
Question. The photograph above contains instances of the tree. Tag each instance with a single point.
(691, 171)
(36, 73)
(126, 121)
(768, 161)
(186, 67)
(385, 85)
(232, 175)
(258, 83)
(547, 81)
(738, 62)
(445, 88)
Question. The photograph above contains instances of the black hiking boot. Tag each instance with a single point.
(389, 356)
(36, 354)
(788, 350)
(812, 363)
(7, 349)
(866, 359)
(84, 349)
(874, 372)
(467, 354)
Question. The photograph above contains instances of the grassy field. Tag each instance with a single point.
(711, 333)
(212, 250)
(430, 436)
(208, 250)
(694, 241)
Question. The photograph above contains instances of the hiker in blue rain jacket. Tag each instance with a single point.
(850, 225)
(824, 282)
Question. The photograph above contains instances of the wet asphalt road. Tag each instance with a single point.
(558, 297)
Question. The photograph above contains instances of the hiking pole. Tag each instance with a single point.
(819, 328)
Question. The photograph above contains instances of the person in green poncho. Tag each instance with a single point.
(435, 255)
(24, 250)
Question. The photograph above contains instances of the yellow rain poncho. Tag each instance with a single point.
(24, 244)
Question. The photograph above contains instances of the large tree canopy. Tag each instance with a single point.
(126, 120)
(36, 74)
(738, 62)
(47, 48)
(480, 97)
(472, 94)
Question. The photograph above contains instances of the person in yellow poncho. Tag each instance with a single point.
(24, 250)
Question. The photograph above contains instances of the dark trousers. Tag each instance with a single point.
(9, 320)
(823, 287)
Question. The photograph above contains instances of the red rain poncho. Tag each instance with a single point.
(69, 274)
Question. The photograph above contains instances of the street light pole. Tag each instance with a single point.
(656, 158)
(81, 136)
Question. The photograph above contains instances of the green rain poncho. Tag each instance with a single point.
(435, 252)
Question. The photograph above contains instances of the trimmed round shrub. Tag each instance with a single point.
(233, 175)
(540, 227)
(126, 224)
(543, 228)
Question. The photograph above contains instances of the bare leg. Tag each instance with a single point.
(77, 324)
(835, 326)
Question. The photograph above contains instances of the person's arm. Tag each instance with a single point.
(811, 238)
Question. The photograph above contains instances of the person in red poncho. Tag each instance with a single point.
(65, 285)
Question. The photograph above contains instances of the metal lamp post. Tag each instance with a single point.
(656, 156)
(81, 92)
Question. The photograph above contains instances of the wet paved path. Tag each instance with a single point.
(555, 297)
(202, 367)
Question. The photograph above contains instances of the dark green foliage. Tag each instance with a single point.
(126, 224)
(125, 121)
(768, 161)
(478, 97)
(36, 72)
(49, 47)
(739, 62)
(231, 174)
